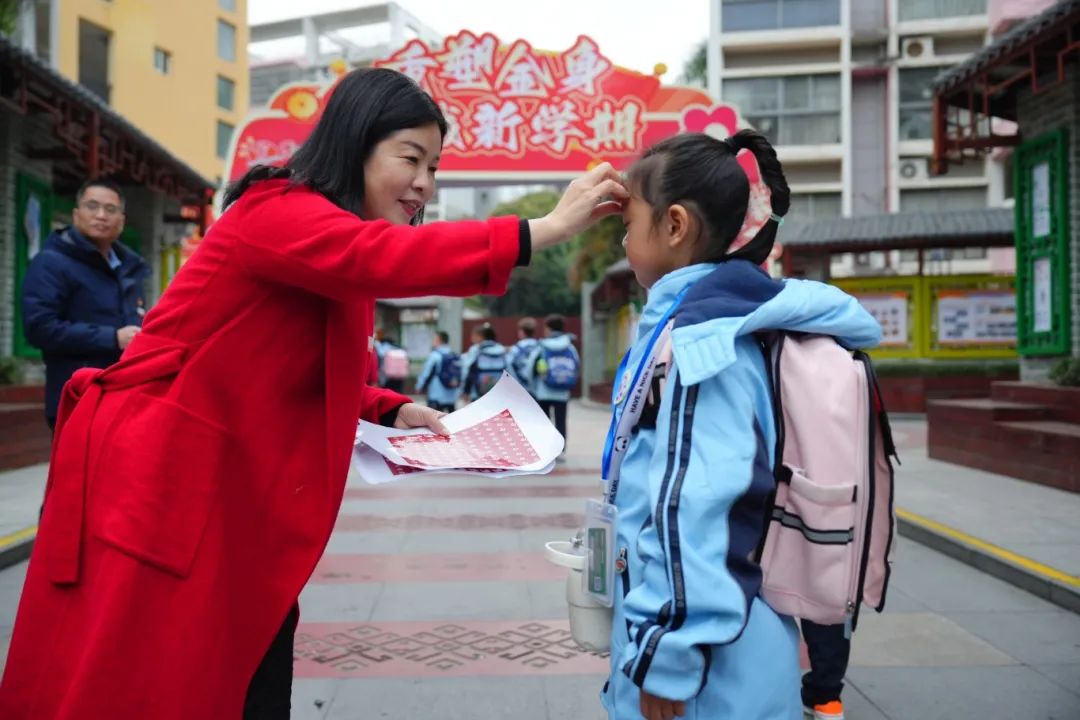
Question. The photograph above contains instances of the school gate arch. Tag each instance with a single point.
(516, 115)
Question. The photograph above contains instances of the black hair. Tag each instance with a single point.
(365, 108)
(444, 337)
(555, 323)
(702, 174)
(101, 183)
(485, 331)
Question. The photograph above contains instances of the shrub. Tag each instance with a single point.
(1066, 372)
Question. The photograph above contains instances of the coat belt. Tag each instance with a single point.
(59, 542)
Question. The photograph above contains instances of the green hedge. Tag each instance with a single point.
(11, 371)
(1066, 372)
(947, 368)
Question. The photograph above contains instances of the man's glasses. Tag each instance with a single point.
(92, 206)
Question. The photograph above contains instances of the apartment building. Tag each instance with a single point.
(843, 89)
(175, 70)
(302, 47)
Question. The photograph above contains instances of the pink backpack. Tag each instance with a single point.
(396, 364)
(830, 542)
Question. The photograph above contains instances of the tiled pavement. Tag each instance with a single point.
(434, 601)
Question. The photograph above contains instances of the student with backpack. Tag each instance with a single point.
(518, 355)
(441, 377)
(484, 363)
(552, 371)
(395, 366)
(689, 460)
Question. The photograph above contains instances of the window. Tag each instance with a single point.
(227, 5)
(941, 200)
(43, 30)
(793, 110)
(909, 256)
(224, 138)
(814, 206)
(916, 102)
(226, 41)
(974, 253)
(162, 61)
(94, 59)
(225, 91)
(777, 14)
(930, 9)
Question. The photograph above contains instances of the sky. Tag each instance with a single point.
(636, 34)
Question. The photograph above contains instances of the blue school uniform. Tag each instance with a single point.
(431, 379)
(688, 623)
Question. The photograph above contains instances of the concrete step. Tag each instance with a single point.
(988, 410)
(1041, 451)
(15, 414)
(1064, 401)
(22, 394)
(24, 437)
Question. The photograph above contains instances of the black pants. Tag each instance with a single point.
(395, 384)
(269, 696)
(556, 410)
(441, 407)
(828, 650)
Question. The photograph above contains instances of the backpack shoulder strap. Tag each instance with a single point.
(772, 347)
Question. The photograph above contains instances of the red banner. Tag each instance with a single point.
(515, 114)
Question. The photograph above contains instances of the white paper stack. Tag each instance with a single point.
(502, 434)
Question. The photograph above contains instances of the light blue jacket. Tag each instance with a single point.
(541, 391)
(689, 624)
(432, 384)
(520, 353)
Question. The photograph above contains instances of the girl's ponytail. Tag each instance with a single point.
(772, 174)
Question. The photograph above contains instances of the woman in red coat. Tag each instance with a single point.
(195, 483)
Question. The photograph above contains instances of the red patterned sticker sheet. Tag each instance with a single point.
(503, 434)
(496, 443)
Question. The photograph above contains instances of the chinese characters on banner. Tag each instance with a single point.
(514, 113)
(513, 101)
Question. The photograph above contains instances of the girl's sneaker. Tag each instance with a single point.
(827, 711)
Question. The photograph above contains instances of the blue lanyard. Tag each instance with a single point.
(618, 408)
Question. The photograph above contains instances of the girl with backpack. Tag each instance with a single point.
(688, 463)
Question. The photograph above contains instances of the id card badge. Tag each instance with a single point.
(599, 541)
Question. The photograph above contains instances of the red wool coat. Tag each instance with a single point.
(195, 484)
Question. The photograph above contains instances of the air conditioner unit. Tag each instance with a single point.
(917, 48)
(913, 169)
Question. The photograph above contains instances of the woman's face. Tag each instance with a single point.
(399, 176)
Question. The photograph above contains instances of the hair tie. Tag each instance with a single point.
(776, 218)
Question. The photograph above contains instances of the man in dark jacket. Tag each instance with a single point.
(82, 297)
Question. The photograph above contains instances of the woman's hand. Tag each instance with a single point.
(411, 415)
(654, 708)
(592, 197)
